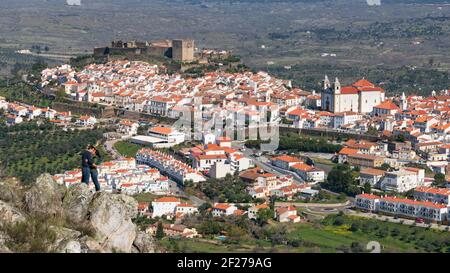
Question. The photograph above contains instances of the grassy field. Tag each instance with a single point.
(328, 237)
(145, 197)
(126, 148)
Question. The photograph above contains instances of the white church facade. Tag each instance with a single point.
(360, 97)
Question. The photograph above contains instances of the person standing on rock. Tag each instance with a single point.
(88, 166)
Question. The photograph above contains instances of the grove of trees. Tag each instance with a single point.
(28, 150)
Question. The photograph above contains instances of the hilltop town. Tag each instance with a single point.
(224, 145)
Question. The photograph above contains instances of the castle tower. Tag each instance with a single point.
(183, 50)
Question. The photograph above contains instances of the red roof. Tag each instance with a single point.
(432, 190)
(303, 167)
(368, 196)
(224, 139)
(413, 202)
(371, 171)
(363, 83)
(205, 157)
(167, 199)
(388, 105)
(348, 151)
(161, 130)
(221, 206)
(286, 158)
(349, 90)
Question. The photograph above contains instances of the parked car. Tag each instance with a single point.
(420, 220)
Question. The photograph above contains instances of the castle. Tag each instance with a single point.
(359, 97)
(178, 50)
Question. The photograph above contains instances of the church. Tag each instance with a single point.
(359, 97)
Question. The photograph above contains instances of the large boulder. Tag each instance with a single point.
(144, 243)
(11, 191)
(9, 214)
(110, 215)
(66, 240)
(44, 197)
(76, 203)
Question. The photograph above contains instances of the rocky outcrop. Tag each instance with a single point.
(144, 243)
(110, 215)
(9, 214)
(66, 240)
(44, 197)
(100, 222)
(11, 191)
(76, 203)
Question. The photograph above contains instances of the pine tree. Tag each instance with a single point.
(160, 231)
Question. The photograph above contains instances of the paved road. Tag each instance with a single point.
(175, 189)
(263, 163)
(109, 146)
(313, 205)
(258, 162)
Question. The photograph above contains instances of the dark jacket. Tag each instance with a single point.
(87, 159)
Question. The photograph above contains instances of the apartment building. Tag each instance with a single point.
(402, 180)
(432, 194)
(403, 207)
(365, 160)
(175, 169)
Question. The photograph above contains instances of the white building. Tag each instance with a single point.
(371, 176)
(124, 175)
(432, 194)
(285, 161)
(160, 137)
(165, 206)
(359, 97)
(185, 209)
(402, 180)
(221, 209)
(253, 211)
(86, 121)
(403, 207)
(3, 103)
(345, 118)
(208, 138)
(128, 127)
(309, 173)
(13, 119)
(287, 214)
(175, 169)
(367, 202)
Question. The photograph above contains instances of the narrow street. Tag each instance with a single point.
(109, 147)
